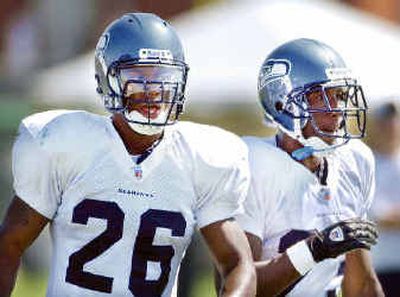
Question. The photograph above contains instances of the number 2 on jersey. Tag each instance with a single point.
(144, 250)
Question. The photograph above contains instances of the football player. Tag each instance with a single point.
(312, 183)
(124, 194)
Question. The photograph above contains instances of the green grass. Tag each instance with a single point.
(30, 284)
(204, 286)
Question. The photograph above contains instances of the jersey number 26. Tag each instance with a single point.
(143, 251)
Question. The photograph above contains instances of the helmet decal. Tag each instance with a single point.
(146, 54)
(102, 43)
(338, 73)
(273, 69)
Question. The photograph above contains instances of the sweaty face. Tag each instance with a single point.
(334, 113)
(150, 92)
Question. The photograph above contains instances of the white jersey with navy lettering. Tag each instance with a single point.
(121, 229)
(286, 201)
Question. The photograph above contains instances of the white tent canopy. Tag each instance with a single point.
(225, 45)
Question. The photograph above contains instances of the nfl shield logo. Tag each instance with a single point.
(325, 194)
(336, 234)
(138, 171)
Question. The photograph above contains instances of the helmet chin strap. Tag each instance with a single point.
(313, 146)
(144, 129)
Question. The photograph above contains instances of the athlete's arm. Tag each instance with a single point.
(275, 275)
(272, 276)
(19, 229)
(232, 258)
(360, 279)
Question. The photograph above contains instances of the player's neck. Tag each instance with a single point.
(289, 145)
(135, 143)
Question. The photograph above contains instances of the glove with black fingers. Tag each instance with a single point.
(342, 237)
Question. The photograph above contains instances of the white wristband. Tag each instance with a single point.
(301, 257)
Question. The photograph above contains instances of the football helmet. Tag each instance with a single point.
(141, 72)
(303, 69)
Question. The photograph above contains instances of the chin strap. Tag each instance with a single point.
(302, 153)
(313, 146)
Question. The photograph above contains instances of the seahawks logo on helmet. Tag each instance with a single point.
(102, 43)
(273, 69)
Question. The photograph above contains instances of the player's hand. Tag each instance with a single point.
(342, 237)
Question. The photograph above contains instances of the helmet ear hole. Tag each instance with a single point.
(99, 90)
(279, 106)
(179, 108)
(342, 124)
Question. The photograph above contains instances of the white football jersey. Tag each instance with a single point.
(286, 201)
(121, 229)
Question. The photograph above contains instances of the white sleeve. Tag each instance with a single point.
(368, 175)
(370, 188)
(222, 192)
(34, 175)
(251, 220)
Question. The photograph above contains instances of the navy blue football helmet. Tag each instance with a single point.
(140, 66)
(299, 68)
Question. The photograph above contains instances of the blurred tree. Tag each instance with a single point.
(165, 9)
(197, 3)
(8, 8)
(387, 9)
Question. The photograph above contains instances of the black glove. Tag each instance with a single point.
(342, 237)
